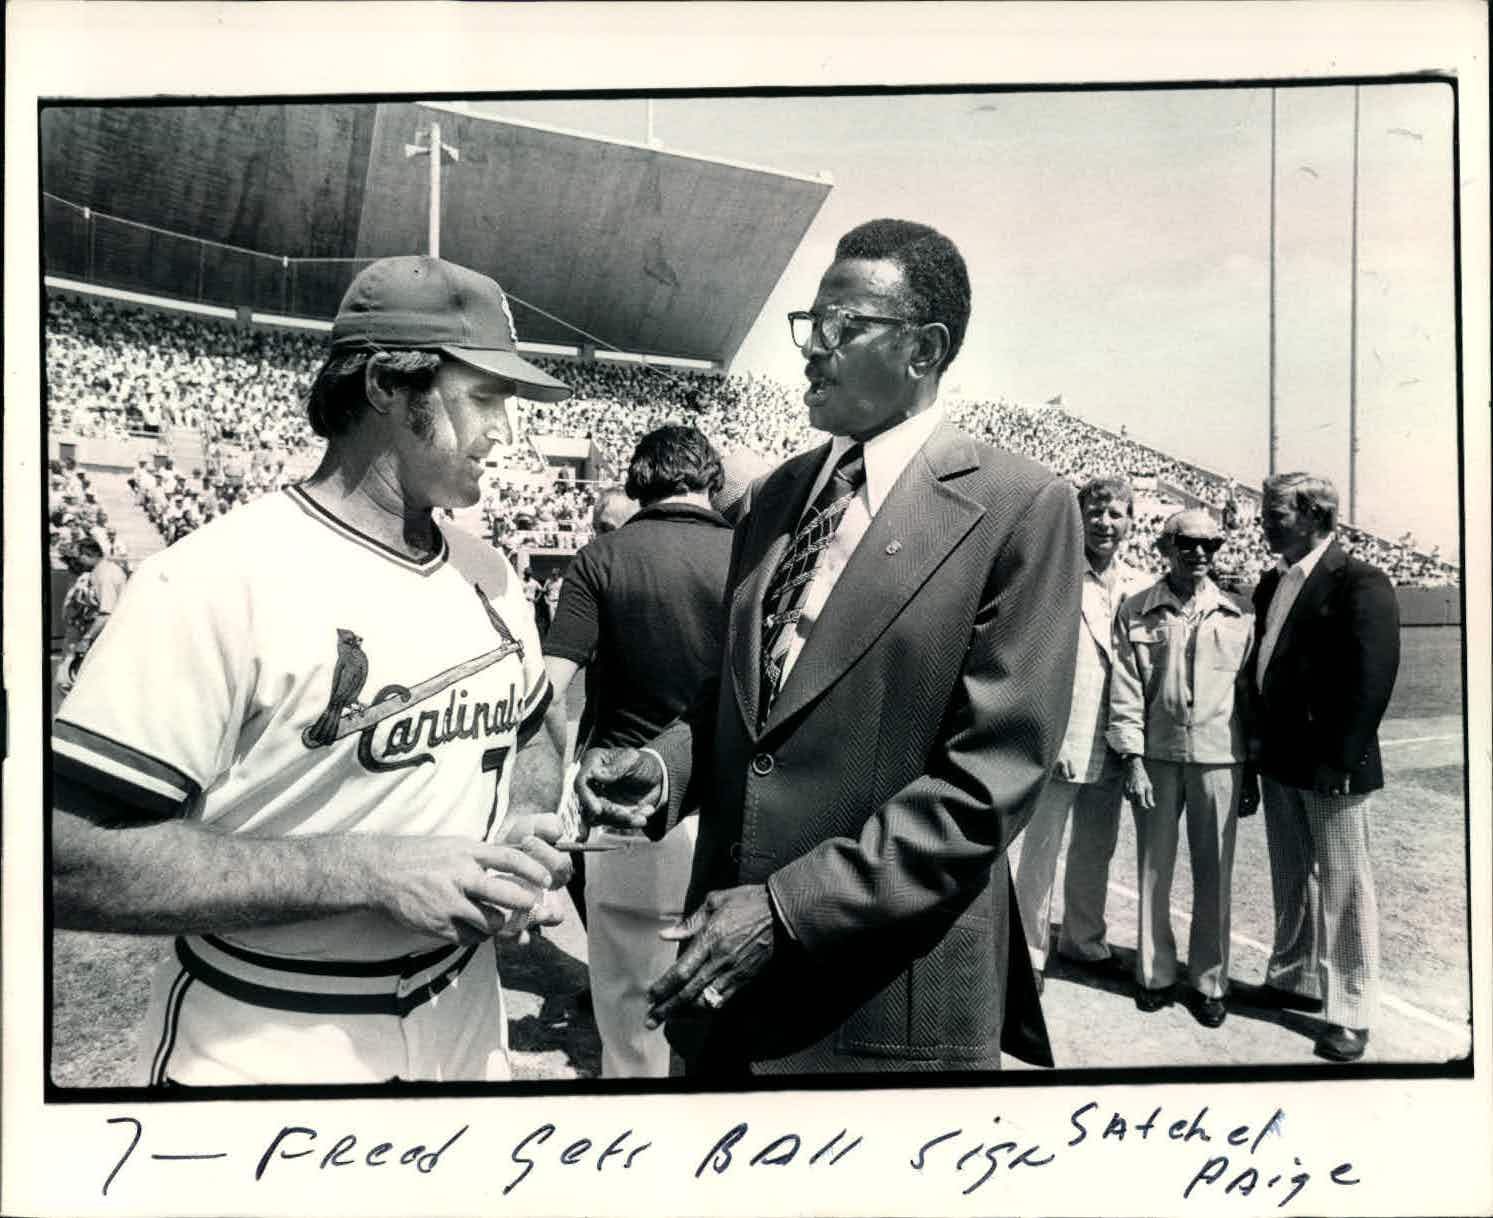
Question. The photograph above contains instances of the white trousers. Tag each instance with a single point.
(196, 1034)
(1326, 908)
(631, 895)
(1096, 828)
(1209, 794)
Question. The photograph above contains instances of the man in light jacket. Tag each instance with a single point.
(1087, 778)
(1177, 720)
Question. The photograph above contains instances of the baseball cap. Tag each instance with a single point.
(429, 304)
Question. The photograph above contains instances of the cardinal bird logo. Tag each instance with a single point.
(347, 684)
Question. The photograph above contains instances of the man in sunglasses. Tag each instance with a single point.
(1177, 698)
(902, 623)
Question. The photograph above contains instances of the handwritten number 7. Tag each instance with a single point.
(128, 1150)
(492, 760)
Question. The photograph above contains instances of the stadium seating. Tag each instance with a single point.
(226, 403)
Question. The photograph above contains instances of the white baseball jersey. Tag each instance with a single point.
(277, 672)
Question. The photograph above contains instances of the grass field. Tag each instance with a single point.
(100, 981)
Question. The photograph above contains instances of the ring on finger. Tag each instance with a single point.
(712, 998)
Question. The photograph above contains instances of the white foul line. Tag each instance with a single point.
(1388, 999)
(1384, 744)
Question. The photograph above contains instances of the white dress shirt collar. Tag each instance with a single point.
(887, 454)
(1307, 563)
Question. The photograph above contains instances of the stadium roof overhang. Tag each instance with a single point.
(598, 241)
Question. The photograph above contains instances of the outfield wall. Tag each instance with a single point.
(1430, 606)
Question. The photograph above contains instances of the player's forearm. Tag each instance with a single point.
(177, 876)
(537, 774)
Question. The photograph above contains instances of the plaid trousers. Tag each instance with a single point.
(1326, 912)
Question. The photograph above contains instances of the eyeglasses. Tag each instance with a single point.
(1208, 545)
(831, 327)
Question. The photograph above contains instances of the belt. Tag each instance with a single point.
(322, 987)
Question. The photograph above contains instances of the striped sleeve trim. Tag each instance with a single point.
(118, 771)
(534, 708)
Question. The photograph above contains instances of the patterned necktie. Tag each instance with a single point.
(789, 585)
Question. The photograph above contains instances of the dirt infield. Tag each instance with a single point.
(1420, 865)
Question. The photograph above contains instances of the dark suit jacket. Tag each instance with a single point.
(905, 751)
(1330, 675)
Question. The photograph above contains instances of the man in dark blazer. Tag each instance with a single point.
(1328, 648)
(900, 640)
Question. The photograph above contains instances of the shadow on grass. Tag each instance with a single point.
(1117, 976)
(561, 1026)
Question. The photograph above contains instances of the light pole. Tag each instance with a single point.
(433, 151)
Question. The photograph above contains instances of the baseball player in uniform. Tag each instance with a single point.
(307, 743)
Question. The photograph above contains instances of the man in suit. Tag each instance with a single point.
(1329, 649)
(1087, 777)
(901, 623)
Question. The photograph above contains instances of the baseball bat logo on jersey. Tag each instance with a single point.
(346, 716)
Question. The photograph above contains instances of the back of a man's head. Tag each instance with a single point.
(935, 278)
(673, 460)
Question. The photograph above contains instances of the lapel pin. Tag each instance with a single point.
(893, 547)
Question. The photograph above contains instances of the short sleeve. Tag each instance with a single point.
(574, 633)
(147, 723)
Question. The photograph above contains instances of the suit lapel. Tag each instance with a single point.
(1313, 593)
(919, 524)
(775, 512)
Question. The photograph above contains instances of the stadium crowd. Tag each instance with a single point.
(545, 514)
(74, 515)
(113, 369)
(177, 504)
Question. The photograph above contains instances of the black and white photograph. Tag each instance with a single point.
(950, 597)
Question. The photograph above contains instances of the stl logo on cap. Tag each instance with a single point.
(508, 313)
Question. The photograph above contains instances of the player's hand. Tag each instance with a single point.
(456, 888)
(1329, 781)
(1138, 788)
(546, 911)
(536, 834)
(619, 787)
(1249, 792)
(731, 941)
